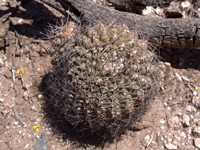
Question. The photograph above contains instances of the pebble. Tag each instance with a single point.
(186, 121)
(2, 100)
(196, 131)
(178, 77)
(197, 142)
(40, 96)
(34, 108)
(185, 78)
(162, 121)
(146, 140)
(26, 95)
(195, 93)
(174, 120)
(190, 108)
(15, 123)
(185, 4)
(1, 62)
(183, 134)
(171, 146)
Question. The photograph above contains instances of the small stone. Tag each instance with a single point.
(1, 62)
(196, 131)
(161, 67)
(175, 142)
(197, 122)
(33, 108)
(146, 140)
(170, 146)
(26, 95)
(190, 108)
(185, 4)
(183, 134)
(197, 142)
(2, 100)
(162, 121)
(178, 77)
(15, 123)
(196, 100)
(40, 96)
(186, 121)
(185, 78)
(195, 93)
(148, 10)
(174, 120)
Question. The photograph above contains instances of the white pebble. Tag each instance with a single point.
(162, 121)
(185, 4)
(2, 100)
(171, 146)
(195, 93)
(197, 142)
(1, 62)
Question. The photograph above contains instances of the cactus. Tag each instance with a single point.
(103, 78)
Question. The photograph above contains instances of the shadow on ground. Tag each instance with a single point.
(38, 18)
(181, 58)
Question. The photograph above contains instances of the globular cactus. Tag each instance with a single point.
(103, 79)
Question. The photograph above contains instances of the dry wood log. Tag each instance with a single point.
(128, 5)
(175, 32)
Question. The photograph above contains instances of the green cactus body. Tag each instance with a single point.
(111, 72)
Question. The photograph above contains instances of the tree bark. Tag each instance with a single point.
(165, 32)
(128, 4)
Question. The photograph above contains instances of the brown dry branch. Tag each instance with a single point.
(16, 115)
(3, 119)
(13, 68)
(30, 57)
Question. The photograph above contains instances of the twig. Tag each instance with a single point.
(21, 51)
(149, 141)
(16, 115)
(13, 69)
(3, 119)
(30, 57)
(24, 83)
(19, 40)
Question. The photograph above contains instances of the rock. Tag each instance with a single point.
(40, 96)
(1, 62)
(195, 93)
(170, 146)
(178, 77)
(162, 121)
(174, 121)
(185, 4)
(197, 142)
(146, 140)
(183, 135)
(196, 101)
(186, 121)
(196, 131)
(26, 95)
(2, 100)
(190, 108)
(148, 11)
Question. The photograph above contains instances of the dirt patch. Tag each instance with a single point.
(172, 120)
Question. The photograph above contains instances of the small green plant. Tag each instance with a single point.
(103, 78)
